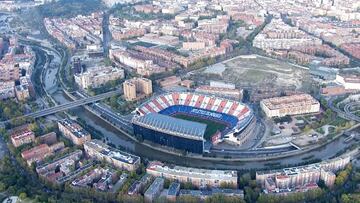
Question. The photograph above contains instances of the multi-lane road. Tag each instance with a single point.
(346, 114)
(70, 105)
(348, 110)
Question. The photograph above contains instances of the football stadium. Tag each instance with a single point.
(186, 121)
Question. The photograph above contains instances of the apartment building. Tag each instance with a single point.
(198, 177)
(193, 45)
(101, 151)
(142, 64)
(95, 77)
(154, 190)
(73, 131)
(137, 88)
(292, 179)
(224, 92)
(22, 136)
(290, 105)
(170, 81)
(216, 25)
(9, 71)
(57, 168)
(36, 154)
(7, 89)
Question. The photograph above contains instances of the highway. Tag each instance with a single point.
(70, 105)
(348, 107)
(123, 122)
(347, 114)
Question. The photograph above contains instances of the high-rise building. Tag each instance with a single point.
(77, 65)
(137, 88)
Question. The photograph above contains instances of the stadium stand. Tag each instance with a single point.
(160, 110)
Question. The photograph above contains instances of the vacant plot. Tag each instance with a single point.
(212, 126)
(258, 71)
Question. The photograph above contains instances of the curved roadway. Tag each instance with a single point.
(118, 136)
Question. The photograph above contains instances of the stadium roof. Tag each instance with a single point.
(171, 125)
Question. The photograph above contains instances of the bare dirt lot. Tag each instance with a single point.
(257, 71)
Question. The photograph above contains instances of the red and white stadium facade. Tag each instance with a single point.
(207, 103)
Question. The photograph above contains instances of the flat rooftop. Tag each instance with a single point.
(74, 127)
(154, 187)
(173, 189)
(116, 154)
(289, 101)
(305, 168)
(193, 172)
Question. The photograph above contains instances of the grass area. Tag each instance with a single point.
(255, 75)
(338, 122)
(211, 128)
(320, 130)
(143, 44)
(70, 8)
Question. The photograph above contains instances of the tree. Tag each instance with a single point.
(2, 187)
(7, 112)
(187, 199)
(35, 128)
(345, 198)
(307, 129)
(188, 186)
(23, 196)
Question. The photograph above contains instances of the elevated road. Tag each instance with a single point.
(348, 110)
(343, 114)
(66, 106)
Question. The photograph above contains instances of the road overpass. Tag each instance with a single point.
(66, 106)
(348, 110)
(343, 114)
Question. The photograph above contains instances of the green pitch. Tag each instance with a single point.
(212, 126)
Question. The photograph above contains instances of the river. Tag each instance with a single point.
(121, 140)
